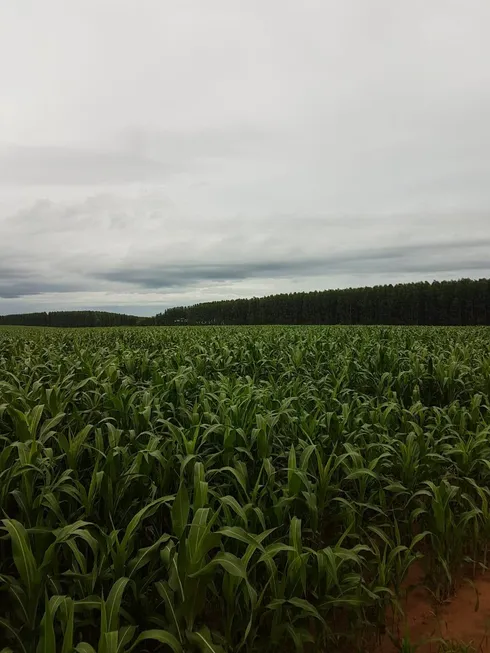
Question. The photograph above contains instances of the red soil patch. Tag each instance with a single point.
(465, 618)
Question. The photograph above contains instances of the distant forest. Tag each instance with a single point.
(74, 319)
(463, 302)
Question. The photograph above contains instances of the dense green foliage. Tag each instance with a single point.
(463, 302)
(235, 489)
(72, 319)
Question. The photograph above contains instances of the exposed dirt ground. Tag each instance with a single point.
(465, 618)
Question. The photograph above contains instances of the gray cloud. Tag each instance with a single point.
(441, 257)
(133, 155)
(200, 151)
(17, 279)
(142, 249)
(62, 165)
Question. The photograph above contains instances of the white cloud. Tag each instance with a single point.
(155, 153)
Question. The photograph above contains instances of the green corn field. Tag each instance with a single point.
(238, 488)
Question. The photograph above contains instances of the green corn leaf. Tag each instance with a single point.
(294, 480)
(295, 535)
(381, 534)
(55, 602)
(418, 538)
(360, 473)
(83, 647)
(276, 604)
(144, 555)
(13, 633)
(239, 475)
(20, 597)
(49, 424)
(180, 511)
(33, 419)
(126, 634)
(237, 533)
(167, 595)
(230, 501)
(138, 518)
(21, 424)
(273, 549)
(113, 603)
(199, 473)
(197, 532)
(88, 603)
(228, 561)
(306, 607)
(76, 445)
(67, 646)
(200, 498)
(47, 640)
(23, 558)
(110, 642)
(162, 636)
(104, 626)
(202, 639)
(300, 636)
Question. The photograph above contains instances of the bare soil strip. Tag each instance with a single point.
(464, 619)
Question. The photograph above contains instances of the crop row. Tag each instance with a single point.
(235, 489)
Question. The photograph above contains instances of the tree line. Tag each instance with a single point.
(438, 303)
(462, 302)
(72, 319)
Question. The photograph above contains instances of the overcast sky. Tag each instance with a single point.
(162, 152)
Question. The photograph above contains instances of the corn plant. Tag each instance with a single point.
(235, 489)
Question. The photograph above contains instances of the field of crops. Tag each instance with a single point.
(235, 489)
